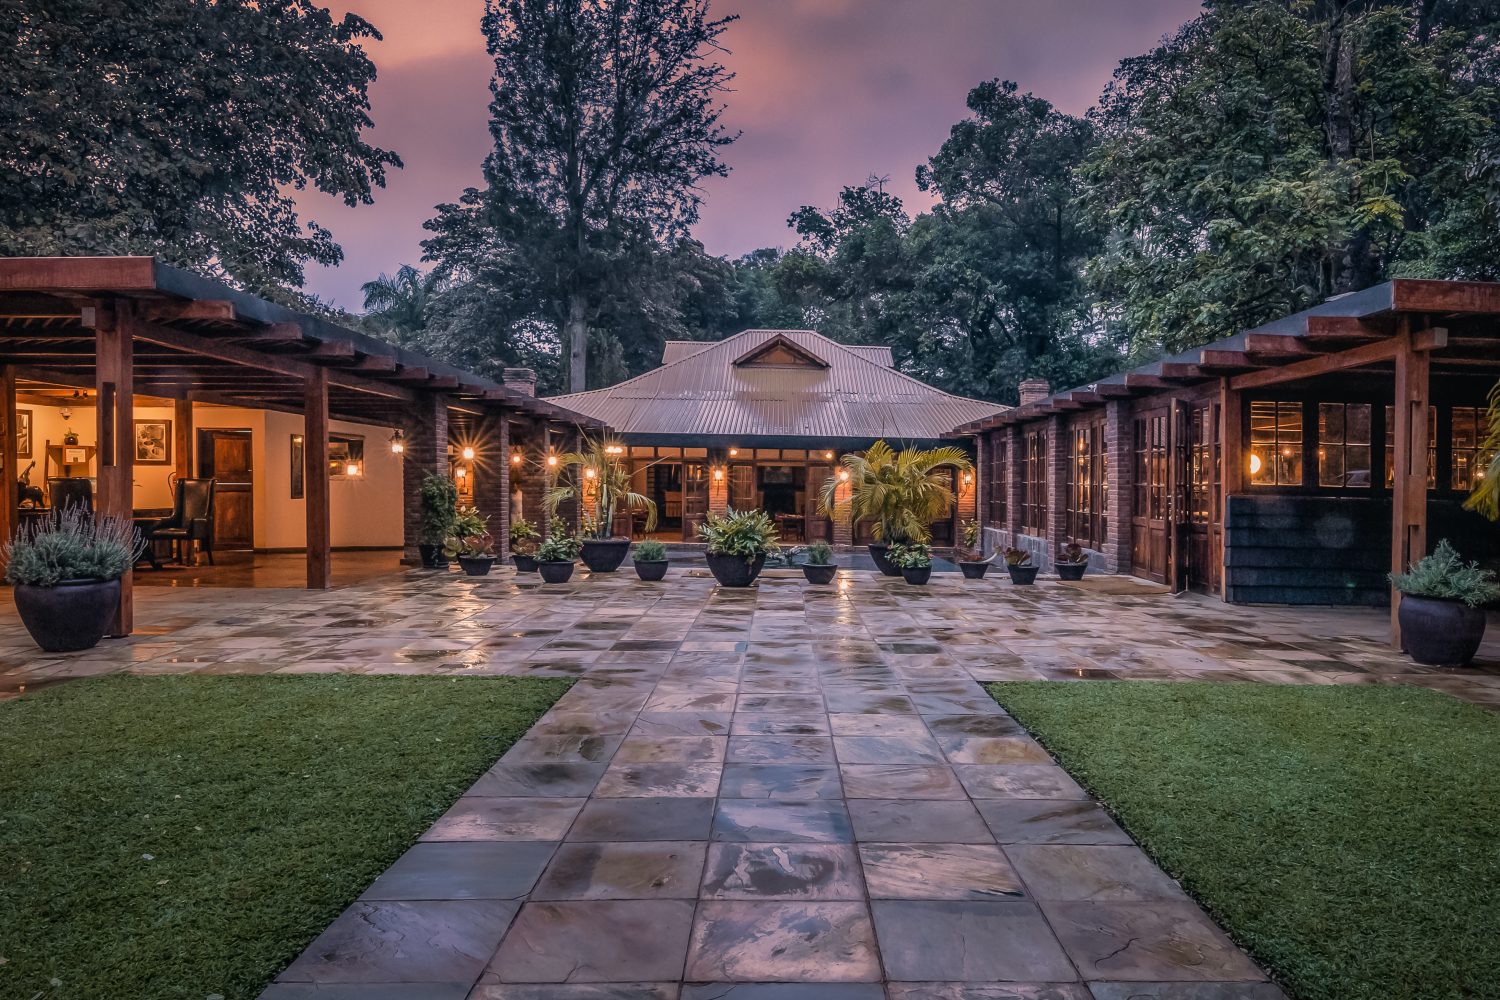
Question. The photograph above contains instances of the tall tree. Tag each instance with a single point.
(183, 128)
(398, 303)
(605, 117)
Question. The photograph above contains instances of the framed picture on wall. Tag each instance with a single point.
(23, 433)
(153, 442)
(299, 467)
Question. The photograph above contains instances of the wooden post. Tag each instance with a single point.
(1409, 464)
(114, 378)
(315, 449)
(182, 438)
(9, 461)
(1232, 468)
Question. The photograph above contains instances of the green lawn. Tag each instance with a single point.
(186, 836)
(1349, 837)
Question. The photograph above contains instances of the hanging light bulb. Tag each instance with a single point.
(515, 458)
(468, 453)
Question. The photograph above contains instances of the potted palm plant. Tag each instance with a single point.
(470, 542)
(970, 559)
(738, 543)
(600, 482)
(915, 560)
(439, 501)
(650, 559)
(524, 539)
(817, 563)
(1072, 561)
(1020, 567)
(66, 569)
(1442, 607)
(555, 557)
(902, 492)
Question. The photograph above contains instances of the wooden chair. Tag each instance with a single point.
(64, 492)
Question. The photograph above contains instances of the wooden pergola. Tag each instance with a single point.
(1405, 329)
(123, 326)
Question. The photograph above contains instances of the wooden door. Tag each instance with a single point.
(1149, 541)
(819, 527)
(225, 456)
(1202, 498)
(694, 498)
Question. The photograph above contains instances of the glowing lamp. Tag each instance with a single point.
(352, 469)
(1255, 464)
(718, 475)
(733, 452)
(828, 455)
(843, 475)
(614, 449)
(552, 461)
(398, 442)
(589, 473)
(468, 453)
(460, 472)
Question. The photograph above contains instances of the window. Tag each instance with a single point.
(1344, 445)
(1034, 482)
(1390, 446)
(1151, 466)
(1203, 475)
(1276, 443)
(999, 480)
(1088, 485)
(1470, 426)
(346, 456)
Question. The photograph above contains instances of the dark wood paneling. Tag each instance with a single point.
(227, 456)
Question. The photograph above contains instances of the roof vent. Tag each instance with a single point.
(522, 380)
(1034, 389)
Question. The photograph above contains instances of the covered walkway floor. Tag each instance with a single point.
(247, 568)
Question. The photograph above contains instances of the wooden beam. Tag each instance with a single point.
(374, 363)
(1432, 339)
(273, 333)
(1114, 390)
(78, 274)
(198, 309)
(1086, 396)
(1409, 463)
(1136, 380)
(1382, 350)
(9, 461)
(114, 412)
(1425, 296)
(1277, 345)
(182, 438)
(333, 350)
(1228, 362)
(1176, 371)
(1343, 328)
(315, 450)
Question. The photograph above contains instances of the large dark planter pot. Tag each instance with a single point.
(877, 552)
(974, 570)
(432, 556)
(916, 574)
(1435, 632)
(1023, 576)
(524, 563)
(735, 571)
(604, 555)
(651, 569)
(73, 615)
(819, 574)
(555, 572)
(1071, 571)
(476, 565)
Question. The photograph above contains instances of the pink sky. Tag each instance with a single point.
(828, 92)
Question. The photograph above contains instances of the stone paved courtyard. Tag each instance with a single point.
(783, 785)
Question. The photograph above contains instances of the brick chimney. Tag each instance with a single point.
(1034, 389)
(520, 379)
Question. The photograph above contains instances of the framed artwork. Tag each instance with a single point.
(75, 456)
(299, 468)
(23, 433)
(153, 442)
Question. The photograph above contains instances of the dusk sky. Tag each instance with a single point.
(827, 93)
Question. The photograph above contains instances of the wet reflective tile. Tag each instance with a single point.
(780, 750)
(877, 725)
(1050, 821)
(974, 725)
(988, 991)
(643, 819)
(993, 750)
(545, 780)
(676, 724)
(366, 991)
(786, 942)
(371, 942)
(680, 749)
(782, 871)
(900, 781)
(482, 870)
(692, 701)
(1018, 781)
(938, 871)
(887, 750)
(563, 749)
(1101, 874)
(479, 818)
(971, 942)
(651, 870)
(786, 782)
(758, 724)
(1151, 942)
(758, 821)
(902, 821)
(780, 703)
(659, 781)
(603, 941)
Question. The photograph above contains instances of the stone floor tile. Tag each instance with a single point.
(576, 991)
(480, 870)
(907, 781)
(887, 750)
(624, 780)
(762, 724)
(643, 819)
(366, 991)
(786, 942)
(968, 942)
(989, 726)
(780, 750)
(993, 750)
(988, 991)
(938, 871)
(676, 724)
(1147, 942)
(902, 821)
(782, 871)
(1050, 821)
(1018, 781)
(646, 870)
(544, 780)
(372, 942)
(1097, 873)
(783, 991)
(760, 821)
(791, 704)
(690, 701)
(787, 782)
(664, 750)
(1186, 991)
(876, 725)
(480, 818)
(563, 749)
(595, 941)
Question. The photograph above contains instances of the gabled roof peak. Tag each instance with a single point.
(780, 351)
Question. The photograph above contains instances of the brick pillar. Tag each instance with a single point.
(492, 477)
(1059, 460)
(1120, 459)
(981, 481)
(1014, 487)
(426, 451)
(529, 476)
(718, 482)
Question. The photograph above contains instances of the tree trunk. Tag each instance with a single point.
(577, 340)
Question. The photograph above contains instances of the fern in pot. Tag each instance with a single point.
(1442, 607)
(470, 543)
(817, 563)
(524, 539)
(650, 559)
(738, 543)
(914, 559)
(66, 570)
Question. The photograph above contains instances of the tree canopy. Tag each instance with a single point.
(183, 128)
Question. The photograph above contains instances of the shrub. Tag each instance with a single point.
(1017, 557)
(71, 544)
(819, 554)
(524, 537)
(470, 536)
(910, 555)
(747, 533)
(560, 548)
(1446, 577)
(650, 550)
(1072, 554)
(439, 508)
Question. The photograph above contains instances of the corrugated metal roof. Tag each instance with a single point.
(676, 350)
(702, 392)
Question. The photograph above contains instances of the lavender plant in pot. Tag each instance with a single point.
(1442, 607)
(66, 570)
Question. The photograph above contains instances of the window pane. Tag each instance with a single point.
(1357, 423)
(1331, 423)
